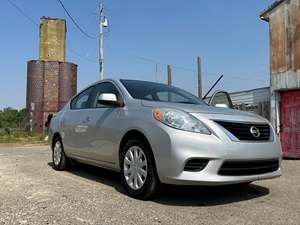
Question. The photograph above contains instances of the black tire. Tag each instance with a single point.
(152, 185)
(64, 162)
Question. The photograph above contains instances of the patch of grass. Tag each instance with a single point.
(21, 137)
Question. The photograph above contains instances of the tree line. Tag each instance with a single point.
(12, 118)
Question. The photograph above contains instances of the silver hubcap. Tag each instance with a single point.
(135, 167)
(57, 153)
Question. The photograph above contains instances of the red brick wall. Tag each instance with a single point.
(50, 85)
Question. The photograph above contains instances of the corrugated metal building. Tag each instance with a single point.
(251, 97)
(254, 100)
(283, 17)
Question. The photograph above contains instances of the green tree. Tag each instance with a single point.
(12, 118)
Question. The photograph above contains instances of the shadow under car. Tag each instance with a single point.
(175, 194)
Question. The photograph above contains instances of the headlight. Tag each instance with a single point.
(180, 120)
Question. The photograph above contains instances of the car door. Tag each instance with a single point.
(75, 125)
(104, 125)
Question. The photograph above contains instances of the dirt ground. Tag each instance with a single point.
(31, 192)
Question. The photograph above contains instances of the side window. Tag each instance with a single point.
(81, 101)
(162, 96)
(148, 97)
(101, 88)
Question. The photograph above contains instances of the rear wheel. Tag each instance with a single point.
(138, 172)
(59, 159)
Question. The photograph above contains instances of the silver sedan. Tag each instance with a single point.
(154, 133)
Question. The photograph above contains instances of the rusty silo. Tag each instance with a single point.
(67, 82)
(50, 84)
(51, 81)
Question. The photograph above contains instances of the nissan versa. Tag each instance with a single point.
(154, 133)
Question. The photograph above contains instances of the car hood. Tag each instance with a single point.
(211, 112)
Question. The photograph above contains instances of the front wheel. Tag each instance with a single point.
(138, 172)
(59, 159)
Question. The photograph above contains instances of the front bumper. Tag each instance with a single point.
(173, 148)
(210, 177)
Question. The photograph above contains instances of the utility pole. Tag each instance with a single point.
(199, 77)
(169, 75)
(101, 55)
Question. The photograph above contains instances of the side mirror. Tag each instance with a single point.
(221, 99)
(222, 105)
(108, 99)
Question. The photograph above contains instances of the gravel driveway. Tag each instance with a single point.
(31, 192)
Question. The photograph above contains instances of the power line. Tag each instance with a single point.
(74, 21)
(22, 12)
(135, 56)
(37, 25)
(235, 77)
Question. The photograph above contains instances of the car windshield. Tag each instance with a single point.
(159, 92)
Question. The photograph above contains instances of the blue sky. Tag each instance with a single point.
(228, 35)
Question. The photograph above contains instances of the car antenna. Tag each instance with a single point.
(212, 87)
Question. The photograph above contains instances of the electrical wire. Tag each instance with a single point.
(37, 25)
(135, 56)
(74, 21)
(22, 12)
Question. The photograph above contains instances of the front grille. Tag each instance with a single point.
(246, 168)
(195, 165)
(243, 130)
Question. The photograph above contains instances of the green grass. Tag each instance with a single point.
(21, 137)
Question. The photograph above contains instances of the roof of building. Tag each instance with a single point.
(264, 15)
(251, 90)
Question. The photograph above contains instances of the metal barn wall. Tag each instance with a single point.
(284, 29)
(251, 97)
(256, 101)
(284, 25)
(50, 84)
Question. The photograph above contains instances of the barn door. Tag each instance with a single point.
(290, 123)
